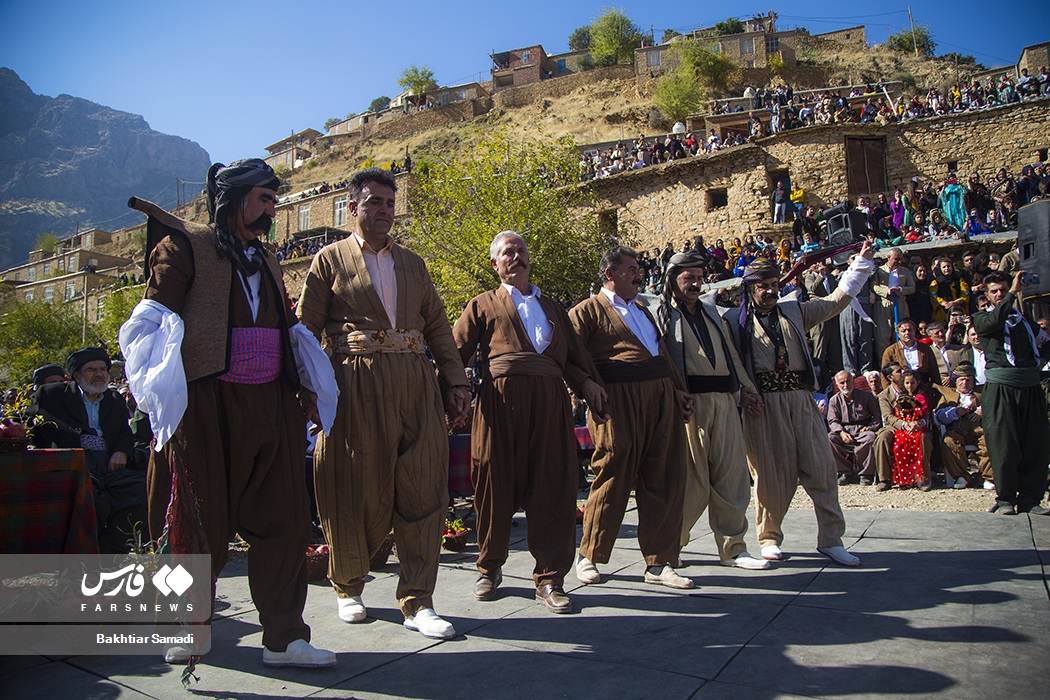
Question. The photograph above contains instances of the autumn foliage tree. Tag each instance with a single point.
(530, 187)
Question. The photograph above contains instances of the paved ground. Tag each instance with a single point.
(946, 604)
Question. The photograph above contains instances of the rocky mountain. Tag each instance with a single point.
(66, 161)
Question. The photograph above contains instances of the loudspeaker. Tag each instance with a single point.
(845, 225)
(1033, 241)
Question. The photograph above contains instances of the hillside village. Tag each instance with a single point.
(534, 95)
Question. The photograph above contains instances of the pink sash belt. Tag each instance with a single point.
(255, 356)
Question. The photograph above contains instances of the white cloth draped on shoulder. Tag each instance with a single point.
(151, 341)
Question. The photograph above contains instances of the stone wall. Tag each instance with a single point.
(726, 194)
(294, 273)
(434, 118)
(557, 87)
(848, 36)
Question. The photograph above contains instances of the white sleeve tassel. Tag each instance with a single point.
(151, 341)
(315, 373)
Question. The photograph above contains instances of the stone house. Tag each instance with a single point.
(292, 151)
(531, 64)
(750, 50)
(73, 269)
(726, 194)
(1034, 58)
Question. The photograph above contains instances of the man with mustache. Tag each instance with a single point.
(224, 405)
(385, 463)
(716, 471)
(642, 447)
(522, 444)
(86, 414)
(787, 442)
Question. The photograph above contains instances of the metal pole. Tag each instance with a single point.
(914, 41)
(83, 331)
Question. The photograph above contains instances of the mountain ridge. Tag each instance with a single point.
(67, 162)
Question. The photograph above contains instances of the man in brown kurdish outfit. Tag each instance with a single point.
(523, 449)
(854, 420)
(228, 417)
(961, 415)
(385, 463)
(643, 445)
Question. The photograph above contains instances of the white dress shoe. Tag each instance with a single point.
(670, 578)
(746, 561)
(772, 553)
(428, 624)
(177, 654)
(839, 555)
(301, 654)
(587, 572)
(352, 609)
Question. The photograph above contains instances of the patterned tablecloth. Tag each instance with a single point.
(459, 484)
(46, 503)
(583, 438)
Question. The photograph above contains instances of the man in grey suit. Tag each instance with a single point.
(854, 420)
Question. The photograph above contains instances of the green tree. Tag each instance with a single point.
(417, 80)
(527, 186)
(47, 241)
(580, 39)
(614, 34)
(906, 41)
(710, 69)
(330, 122)
(379, 104)
(677, 94)
(731, 26)
(668, 35)
(34, 333)
(775, 63)
(962, 60)
(116, 309)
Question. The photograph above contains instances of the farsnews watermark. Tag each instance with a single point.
(126, 604)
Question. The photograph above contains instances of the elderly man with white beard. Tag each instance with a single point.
(86, 414)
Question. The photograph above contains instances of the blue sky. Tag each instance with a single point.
(237, 76)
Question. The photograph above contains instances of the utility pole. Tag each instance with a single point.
(178, 197)
(914, 41)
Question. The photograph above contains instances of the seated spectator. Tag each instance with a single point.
(885, 442)
(910, 441)
(943, 351)
(854, 420)
(48, 374)
(86, 414)
(972, 353)
(959, 415)
(808, 244)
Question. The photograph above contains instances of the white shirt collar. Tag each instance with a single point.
(615, 298)
(516, 294)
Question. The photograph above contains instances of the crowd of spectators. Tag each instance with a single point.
(778, 109)
(323, 188)
(304, 248)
